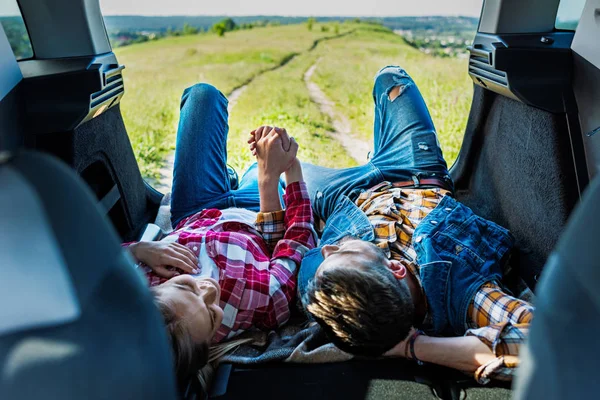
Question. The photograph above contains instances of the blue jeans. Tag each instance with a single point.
(200, 178)
(406, 146)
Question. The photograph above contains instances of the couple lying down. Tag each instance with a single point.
(402, 268)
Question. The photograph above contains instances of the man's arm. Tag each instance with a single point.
(491, 349)
(501, 322)
(465, 353)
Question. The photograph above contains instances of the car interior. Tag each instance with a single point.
(77, 321)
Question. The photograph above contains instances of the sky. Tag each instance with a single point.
(293, 7)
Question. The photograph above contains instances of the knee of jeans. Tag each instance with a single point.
(203, 91)
(388, 78)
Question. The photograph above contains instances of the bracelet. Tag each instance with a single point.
(412, 346)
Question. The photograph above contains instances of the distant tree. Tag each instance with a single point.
(189, 30)
(226, 25)
(219, 29)
(356, 20)
(336, 28)
(310, 22)
(324, 28)
(229, 24)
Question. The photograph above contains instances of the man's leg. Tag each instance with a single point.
(200, 178)
(406, 143)
(326, 185)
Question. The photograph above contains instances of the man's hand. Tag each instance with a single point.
(276, 153)
(274, 149)
(160, 255)
(259, 132)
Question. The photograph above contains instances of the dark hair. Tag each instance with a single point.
(188, 355)
(364, 311)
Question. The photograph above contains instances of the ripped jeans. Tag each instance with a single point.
(406, 147)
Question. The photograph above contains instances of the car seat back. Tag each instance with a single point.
(563, 349)
(77, 320)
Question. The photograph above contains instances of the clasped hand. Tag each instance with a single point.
(274, 149)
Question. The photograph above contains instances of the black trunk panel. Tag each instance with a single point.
(516, 169)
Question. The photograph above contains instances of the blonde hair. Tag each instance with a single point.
(216, 352)
(191, 358)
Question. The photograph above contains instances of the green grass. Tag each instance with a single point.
(280, 98)
(158, 72)
(348, 65)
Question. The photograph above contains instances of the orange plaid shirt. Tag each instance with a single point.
(496, 318)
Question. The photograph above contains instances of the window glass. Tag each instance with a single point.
(246, 57)
(15, 29)
(569, 12)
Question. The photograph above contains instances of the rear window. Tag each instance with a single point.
(15, 29)
(569, 12)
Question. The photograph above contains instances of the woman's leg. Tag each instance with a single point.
(406, 143)
(247, 196)
(200, 178)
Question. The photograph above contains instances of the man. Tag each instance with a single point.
(404, 269)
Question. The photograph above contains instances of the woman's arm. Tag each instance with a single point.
(276, 153)
(299, 237)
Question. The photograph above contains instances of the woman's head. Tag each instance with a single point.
(190, 309)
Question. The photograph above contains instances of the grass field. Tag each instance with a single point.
(157, 73)
(345, 73)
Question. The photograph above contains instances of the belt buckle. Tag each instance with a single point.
(416, 181)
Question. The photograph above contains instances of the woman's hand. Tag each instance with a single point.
(161, 255)
(258, 133)
(275, 150)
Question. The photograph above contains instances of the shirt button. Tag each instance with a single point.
(434, 222)
(195, 248)
(458, 248)
(319, 195)
(418, 239)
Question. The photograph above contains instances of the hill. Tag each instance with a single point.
(162, 24)
(269, 65)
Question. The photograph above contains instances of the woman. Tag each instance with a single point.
(226, 268)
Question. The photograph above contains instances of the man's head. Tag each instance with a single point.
(360, 298)
(191, 312)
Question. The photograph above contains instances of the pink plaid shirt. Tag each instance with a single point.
(257, 263)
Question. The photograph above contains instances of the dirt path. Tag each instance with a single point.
(356, 148)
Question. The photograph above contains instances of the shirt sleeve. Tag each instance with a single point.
(299, 237)
(271, 226)
(501, 322)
